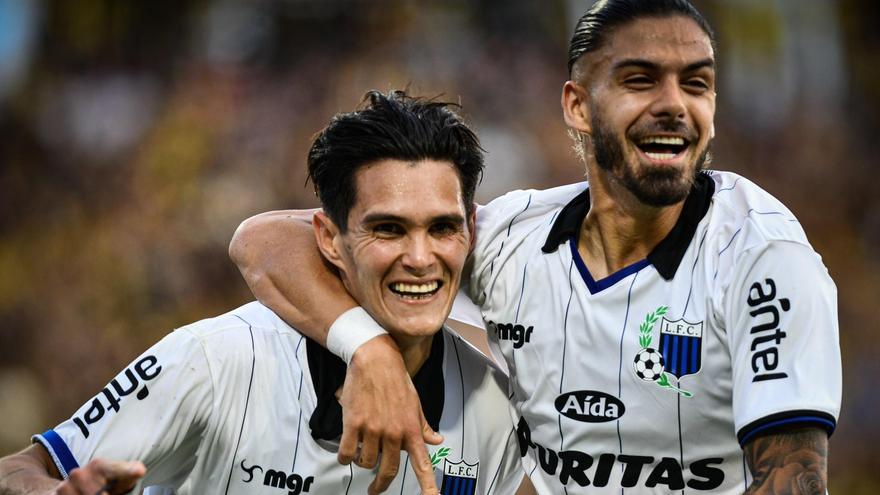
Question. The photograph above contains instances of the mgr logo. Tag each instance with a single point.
(513, 332)
(293, 483)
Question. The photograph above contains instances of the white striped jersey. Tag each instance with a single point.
(225, 405)
(650, 380)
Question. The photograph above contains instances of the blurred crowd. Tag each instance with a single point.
(135, 136)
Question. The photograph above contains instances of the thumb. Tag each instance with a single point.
(428, 434)
(122, 476)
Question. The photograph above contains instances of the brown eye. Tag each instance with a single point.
(444, 228)
(638, 82)
(699, 85)
(388, 229)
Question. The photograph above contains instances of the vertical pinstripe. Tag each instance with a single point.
(564, 345)
(246, 401)
(498, 470)
(695, 349)
(403, 480)
(620, 360)
(509, 226)
(299, 421)
(461, 391)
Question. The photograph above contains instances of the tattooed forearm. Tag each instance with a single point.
(789, 462)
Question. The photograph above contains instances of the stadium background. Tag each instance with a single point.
(135, 136)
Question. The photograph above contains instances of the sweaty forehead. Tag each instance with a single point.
(668, 40)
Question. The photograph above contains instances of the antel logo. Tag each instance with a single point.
(590, 406)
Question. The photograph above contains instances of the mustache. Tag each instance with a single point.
(666, 126)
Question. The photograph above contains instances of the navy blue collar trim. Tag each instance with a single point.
(596, 286)
(666, 256)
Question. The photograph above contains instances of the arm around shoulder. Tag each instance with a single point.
(277, 255)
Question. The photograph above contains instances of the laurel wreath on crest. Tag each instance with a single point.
(645, 338)
(438, 456)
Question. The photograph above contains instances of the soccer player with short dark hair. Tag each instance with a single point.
(244, 403)
(667, 329)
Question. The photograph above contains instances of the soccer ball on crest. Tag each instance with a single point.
(649, 364)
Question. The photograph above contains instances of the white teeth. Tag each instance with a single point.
(415, 288)
(662, 140)
(661, 156)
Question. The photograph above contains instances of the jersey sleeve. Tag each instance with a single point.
(494, 224)
(153, 411)
(781, 319)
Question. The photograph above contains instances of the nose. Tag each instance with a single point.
(669, 103)
(419, 255)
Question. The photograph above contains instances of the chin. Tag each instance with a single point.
(420, 329)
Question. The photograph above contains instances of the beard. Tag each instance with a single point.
(652, 185)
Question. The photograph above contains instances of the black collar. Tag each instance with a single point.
(328, 374)
(667, 255)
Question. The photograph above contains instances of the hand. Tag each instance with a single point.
(381, 410)
(100, 477)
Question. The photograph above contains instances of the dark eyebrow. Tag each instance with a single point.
(388, 217)
(635, 62)
(648, 65)
(706, 63)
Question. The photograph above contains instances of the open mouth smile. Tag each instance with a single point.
(416, 291)
(662, 148)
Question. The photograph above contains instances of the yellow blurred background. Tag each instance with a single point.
(135, 136)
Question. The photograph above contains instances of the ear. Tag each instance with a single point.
(328, 237)
(575, 108)
(472, 228)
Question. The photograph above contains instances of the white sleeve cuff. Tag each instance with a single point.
(351, 330)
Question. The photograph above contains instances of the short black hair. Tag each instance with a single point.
(390, 127)
(593, 27)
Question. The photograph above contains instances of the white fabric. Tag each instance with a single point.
(350, 331)
(225, 409)
(590, 423)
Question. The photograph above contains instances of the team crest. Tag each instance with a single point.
(459, 478)
(682, 343)
(678, 353)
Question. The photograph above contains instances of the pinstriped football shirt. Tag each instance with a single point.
(651, 379)
(223, 406)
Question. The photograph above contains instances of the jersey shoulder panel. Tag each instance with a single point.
(521, 206)
(509, 221)
(229, 336)
(743, 209)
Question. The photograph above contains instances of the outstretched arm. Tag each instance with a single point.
(32, 472)
(278, 256)
(792, 462)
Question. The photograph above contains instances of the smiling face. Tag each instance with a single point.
(405, 246)
(647, 99)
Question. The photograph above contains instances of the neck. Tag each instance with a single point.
(619, 230)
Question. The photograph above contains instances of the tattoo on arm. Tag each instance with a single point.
(790, 462)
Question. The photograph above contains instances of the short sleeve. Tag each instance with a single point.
(494, 223)
(153, 411)
(781, 320)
